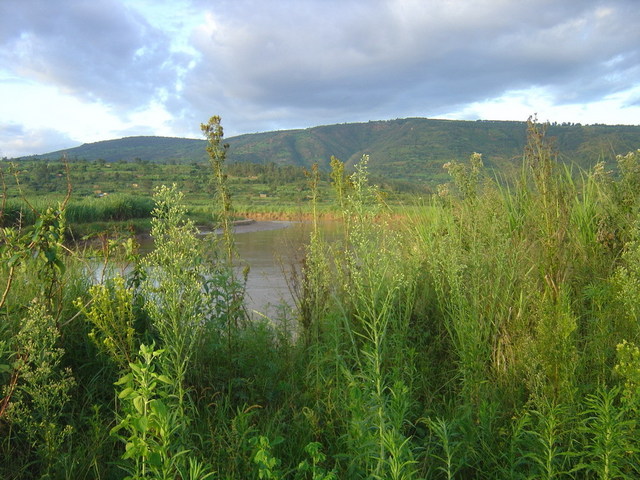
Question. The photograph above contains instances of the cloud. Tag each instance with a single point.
(163, 67)
(301, 62)
(18, 140)
(98, 51)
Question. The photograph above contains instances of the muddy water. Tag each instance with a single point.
(271, 250)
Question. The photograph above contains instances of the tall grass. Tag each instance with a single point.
(491, 332)
(116, 207)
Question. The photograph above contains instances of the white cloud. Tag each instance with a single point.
(307, 62)
(73, 120)
(163, 67)
(18, 141)
(615, 109)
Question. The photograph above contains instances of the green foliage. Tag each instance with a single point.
(627, 281)
(40, 388)
(629, 184)
(314, 281)
(465, 177)
(628, 367)
(452, 455)
(550, 430)
(264, 459)
(217, 153)
(174, 285)
(611, 441)
(110, 311)
(554, 357)
(151, 424)
(490, 331)
(364, 340)
(112, 208)
(315, 468)
(140, 150)
(410, 148)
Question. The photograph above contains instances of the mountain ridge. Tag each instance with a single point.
(401, 148)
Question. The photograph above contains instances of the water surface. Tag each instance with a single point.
(272, 250)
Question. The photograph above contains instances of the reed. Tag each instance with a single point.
(111, 208)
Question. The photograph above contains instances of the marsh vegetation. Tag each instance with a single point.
(490, 332)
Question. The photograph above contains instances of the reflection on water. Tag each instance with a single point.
(271, 249)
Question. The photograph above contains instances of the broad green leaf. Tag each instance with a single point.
(125, 393)
(155, 460)
(126, 379)
(13, 260)
(141, 424)
(138, 403)
(159, 408)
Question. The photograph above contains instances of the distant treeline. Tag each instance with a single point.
(403, 149)
(99, 178)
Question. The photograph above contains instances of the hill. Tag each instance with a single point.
(411, 148)
(129, 149)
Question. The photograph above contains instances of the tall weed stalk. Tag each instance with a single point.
(176, 300)
(374, 300)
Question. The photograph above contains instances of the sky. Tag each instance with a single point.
(81, 71)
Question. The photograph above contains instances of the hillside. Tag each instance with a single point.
(412, 148)
(148, 149)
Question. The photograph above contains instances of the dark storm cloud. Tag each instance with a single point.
(96, 50)
(305, 62)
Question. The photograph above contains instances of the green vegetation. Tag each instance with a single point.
(491, 332)
(266, 171)
(95, 183)
(118, 197)
(404, 149)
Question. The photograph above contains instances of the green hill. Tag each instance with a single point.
(411, 148)
(148, 149)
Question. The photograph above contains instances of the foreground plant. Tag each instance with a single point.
(35, 399)
(609, 432)
(110, 312)
(152, 424)
(368, 331)
(174, 287)
(217, 151)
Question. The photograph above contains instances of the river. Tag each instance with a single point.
(271, 249)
